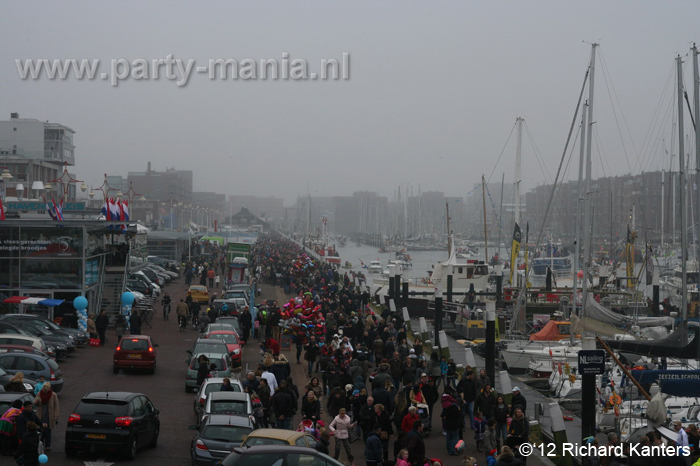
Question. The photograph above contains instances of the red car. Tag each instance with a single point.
(232, 343)
(135, 352)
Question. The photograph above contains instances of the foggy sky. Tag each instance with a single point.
(433, 94)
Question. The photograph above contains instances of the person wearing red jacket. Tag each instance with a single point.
(409, 419)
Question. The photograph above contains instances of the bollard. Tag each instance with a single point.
(559, 436)
(506, 386)
(406, 318)
(444, 345)
(423, 328)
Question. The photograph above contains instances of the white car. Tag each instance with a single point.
(212, 384)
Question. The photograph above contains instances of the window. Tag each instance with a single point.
(234, 434)
(300, 442)
(229, 407)
(147, 405)
(137, 408)
(7, 362)
(305, 459)
(108, 407)
(28, 364)
(261, 459)
(134, 344)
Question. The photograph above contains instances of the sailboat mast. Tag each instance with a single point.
(500, 216)
(587, 186)
(579, 200)
(518, 154)
(449, 235)
(696, 99)
(483, 200)
(681, 194)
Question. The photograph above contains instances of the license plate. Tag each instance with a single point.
(98, 436)
(134, 356)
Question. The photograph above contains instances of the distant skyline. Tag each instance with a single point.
(431, 96)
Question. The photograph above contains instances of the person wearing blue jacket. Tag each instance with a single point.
(373, 448)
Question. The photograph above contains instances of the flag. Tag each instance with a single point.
(124, 211)
(105, 210)
(629, 257)
(57, 210)
(114, 210)
(193, 228)
(515, 250)
(49, 210)
(2, 210)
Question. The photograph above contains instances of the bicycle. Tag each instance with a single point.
(166, 311)
(183, 323)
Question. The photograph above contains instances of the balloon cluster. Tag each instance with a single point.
(80, 304)
(302, 317)
(301, 264)
(128, 299)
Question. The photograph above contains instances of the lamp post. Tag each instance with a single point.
(66, 179)
(6, 177)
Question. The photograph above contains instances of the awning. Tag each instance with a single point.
(51, 302)
(31, 300)
(15, 299)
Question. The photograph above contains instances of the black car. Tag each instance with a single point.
(61, 343)
(112, 421)
(79, 337)
(217, 436)
(269, 455)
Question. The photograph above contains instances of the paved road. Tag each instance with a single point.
(90, 369)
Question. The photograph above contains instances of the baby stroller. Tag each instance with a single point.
(424, 417)
(307, 425)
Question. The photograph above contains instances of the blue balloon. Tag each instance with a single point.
(43, 459)
(128, 298)
(80, 303)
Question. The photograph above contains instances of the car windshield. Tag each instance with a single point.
(206, 347)
(219, 363)
(134, 344)
(102, 407)
(226, 433)
(216, 387)
(253, 441)
(227, 337)
(228, 407)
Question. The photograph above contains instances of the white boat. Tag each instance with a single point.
(519, 354)
(375, 267)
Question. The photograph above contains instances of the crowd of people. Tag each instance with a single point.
(363, 373)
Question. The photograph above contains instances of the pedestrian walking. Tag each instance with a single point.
(340, 425)
(47, 409)
(135, 323)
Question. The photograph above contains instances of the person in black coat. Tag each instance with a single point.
(383, 421)
(282, 404)
(336, 401)
(101, 324)
(517, 401)
(135, 323)
(28, 450)
(25, 417)
(311, 407)
(246, 321)
(202, 370)
(323, 442)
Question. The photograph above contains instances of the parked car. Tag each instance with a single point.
(199, 292)
(154, 277)
(216, 327)
(233, 294)
(232, 321)
(212, 384)
(139, 286)
(33, 366)
(208, 346)
(155, 289)
(135, 352)
(216, 437)
(233, 403)
(269, 455)
(78, 336)
(58, 342)
(279, 437)
(7, 398)
(173, 274)
(27, 340)
(5, 378)
(231, 339)
(112, 421)
(222, 362)
(21, 349)
(231, 308)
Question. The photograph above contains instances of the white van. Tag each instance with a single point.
(26, 340)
